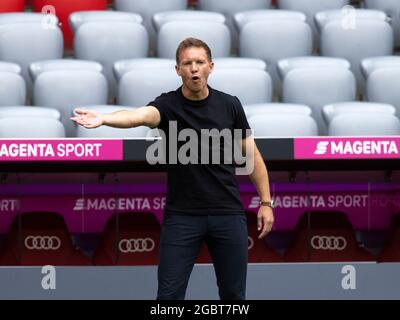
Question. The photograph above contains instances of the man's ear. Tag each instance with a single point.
(211, 66)
(177, 69)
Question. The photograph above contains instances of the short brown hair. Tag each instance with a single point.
(192, 42)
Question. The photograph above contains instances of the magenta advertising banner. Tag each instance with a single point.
(346, 148)
(89, 214)
(61, 150)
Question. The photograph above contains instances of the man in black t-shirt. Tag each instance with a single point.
(203, 200)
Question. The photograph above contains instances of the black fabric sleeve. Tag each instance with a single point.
(162, 105)
(240, 121)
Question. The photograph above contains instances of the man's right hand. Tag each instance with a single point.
(88, 118)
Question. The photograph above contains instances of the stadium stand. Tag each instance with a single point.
(28, 111)
(278, 108)
(12, 85)
(31, 127)
(237, 63)
(12, 6)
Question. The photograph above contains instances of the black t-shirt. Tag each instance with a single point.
(203, 188)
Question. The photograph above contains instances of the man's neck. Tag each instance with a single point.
(195, 96)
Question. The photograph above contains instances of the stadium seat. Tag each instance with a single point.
(109, 132)
(286, 65)
(66, 89)
(392, 9)
(172, 33)
(238, 63)
(255, 85)
(29, 127)
(230, 7)
(369, 65)
(242, 18)
(371, 35)
(274, 39)
(25, 111)
(12, 5)
(161, 18)
(42, 238)
(317, 87)
(79, 18)
(310, 8)
(108, 41)
(125, 66)
(276, 108)
(325, 237)
(139, 87)
(391, 250)
(129, 239)
(47, 20)
(12, 85)
(329, 112)
(364, 124)
(147, 8)
(283, 125)
(24, 43)
(63, 9)
(382, 86)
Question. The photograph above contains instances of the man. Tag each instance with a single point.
(203, 201)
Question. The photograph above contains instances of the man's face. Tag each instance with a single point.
(194, 68)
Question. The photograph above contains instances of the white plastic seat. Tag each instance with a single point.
(67, 89)
(172, 33)
(230, 7)
(125, 66)
(392, 9)
(37, 68)
(12, 85)
(28, 111)
(30, 127)
(139, 87)
(147, 8)
(161, 18)
(108, 42)
(332, 110)
(242, 18)
(77, 19)
(286, 65)
(369, 65)
(109, 132)
(274, 40)
(310, 8)
(383, 86)
(368, 37)
(24, 43)
(251, 86)
(317, 87)
(273, 108)
(47, 20)
(238, 63)
(283, 125)
(364, 124)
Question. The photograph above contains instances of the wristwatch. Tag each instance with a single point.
(270, 204)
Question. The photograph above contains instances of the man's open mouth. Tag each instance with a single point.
(195, 78)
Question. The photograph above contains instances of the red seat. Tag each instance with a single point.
(330, 238)
(391, 252)
(259, 251)
(63, 9)
(41, 238)
(12, 5)
(135, 242)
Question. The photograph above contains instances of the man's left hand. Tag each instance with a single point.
(265, 220)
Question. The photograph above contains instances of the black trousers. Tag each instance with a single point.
(181, 238)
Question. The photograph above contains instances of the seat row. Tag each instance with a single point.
(42, 238)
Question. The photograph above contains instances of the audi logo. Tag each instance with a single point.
(42, 243)
(328, 243)
(136, 245)
(250, 243)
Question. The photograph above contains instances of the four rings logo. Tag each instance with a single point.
(250, 243)
(136, 245)
(42, 243)
(328, 243)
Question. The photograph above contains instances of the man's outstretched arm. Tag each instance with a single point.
(145, 116)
